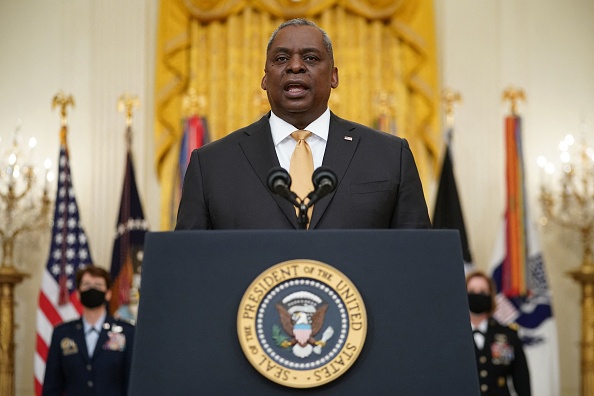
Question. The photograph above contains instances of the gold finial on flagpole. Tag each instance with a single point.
(514, 95)
(127, 103)
(450, 98)
(62, 100)
(194, 103)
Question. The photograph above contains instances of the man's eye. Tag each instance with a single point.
(281, 58)
(310, 58)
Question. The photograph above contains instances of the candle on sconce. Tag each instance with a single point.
(49, 176)
(30, 155)
(12, 170)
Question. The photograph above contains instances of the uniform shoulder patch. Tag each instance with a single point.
(66, 324)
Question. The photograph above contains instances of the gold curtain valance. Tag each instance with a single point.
(211, 10)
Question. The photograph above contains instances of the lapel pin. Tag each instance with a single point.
(348, 138)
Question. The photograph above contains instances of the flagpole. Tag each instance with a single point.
(131, 227)
(447, 213)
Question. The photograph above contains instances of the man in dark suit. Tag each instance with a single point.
(91, 355)
(225, 186)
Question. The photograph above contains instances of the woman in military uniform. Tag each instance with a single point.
(499, 353)
(90, 356)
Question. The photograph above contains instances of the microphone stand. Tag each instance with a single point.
(302, 219)
(279, 182)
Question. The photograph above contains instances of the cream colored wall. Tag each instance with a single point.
(98, 50)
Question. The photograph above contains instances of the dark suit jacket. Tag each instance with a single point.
(70, 371)
(225, 186)
(501, 358)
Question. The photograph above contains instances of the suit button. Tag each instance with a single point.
(484, 388)
(483, 373)
(482, 359)
(90, 383)
(89, 367)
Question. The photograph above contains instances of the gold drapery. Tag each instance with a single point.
(384, 50)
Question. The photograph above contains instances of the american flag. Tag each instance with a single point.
(69, 250)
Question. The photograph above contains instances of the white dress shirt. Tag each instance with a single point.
(284, 144)
(479, 338)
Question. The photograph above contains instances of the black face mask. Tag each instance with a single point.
(92, 298)
(479, 303)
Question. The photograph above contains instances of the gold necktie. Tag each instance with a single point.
(301, 167)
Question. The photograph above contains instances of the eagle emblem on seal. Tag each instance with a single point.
(302, 318)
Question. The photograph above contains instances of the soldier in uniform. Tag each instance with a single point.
(90, 355)
(499, 353)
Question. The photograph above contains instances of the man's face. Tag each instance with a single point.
(299, 75)
(89, 281)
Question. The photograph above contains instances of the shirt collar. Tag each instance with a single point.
(482, 327)
(97, 326)
(281, 129)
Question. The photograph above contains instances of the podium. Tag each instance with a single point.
(418, 342)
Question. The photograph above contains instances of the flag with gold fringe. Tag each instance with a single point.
(128, 245)
(69, 251)
(519, 272)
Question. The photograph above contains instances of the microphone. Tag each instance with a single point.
(279, 182)
(324, 181)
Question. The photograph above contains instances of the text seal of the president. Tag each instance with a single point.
(302, 323)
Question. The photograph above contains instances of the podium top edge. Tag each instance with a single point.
(310, 232)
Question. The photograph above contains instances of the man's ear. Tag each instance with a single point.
(334, 80)
(108, 295)
(263, 83)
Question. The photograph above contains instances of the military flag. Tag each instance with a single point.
(519, 272)
(448, 209)
(126, 259)
(195, 135)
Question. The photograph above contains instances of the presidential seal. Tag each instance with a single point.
(302, 323)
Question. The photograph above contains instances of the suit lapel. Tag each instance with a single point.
(258, 148)
(343, 140)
